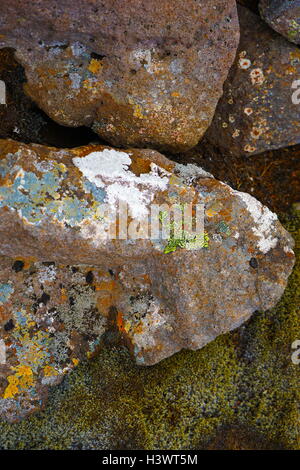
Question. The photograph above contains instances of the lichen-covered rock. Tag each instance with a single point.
(22, 120)
(140, 73)
(49, 322)
(241, 391)
(283, 16)
(257, 111)
(169, 293)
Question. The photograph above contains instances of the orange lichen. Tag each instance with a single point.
(120, 322)
(105, 285)
(104, 303)
(28, 261)
(63, 295)
(94, 66)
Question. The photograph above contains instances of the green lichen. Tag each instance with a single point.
(186, 240)
(294, 29)
(243, 387)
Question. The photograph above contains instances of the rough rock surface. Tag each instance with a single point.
(140, 73)
(241, 391)
(161, 294)
(49, 322)
(22, 120)
(283, 16)
(256, 112)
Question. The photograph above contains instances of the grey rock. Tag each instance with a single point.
(260, 106)
(283, 16)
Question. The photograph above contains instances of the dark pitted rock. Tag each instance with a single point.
(257, 112)
(140, 73)
(283, 16)
(163, 294)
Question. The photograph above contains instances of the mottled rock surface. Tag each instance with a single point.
(22, 120)
(256, 112)
(49, 322)
(140, 73)
(283, 16)
(162, 295)
(241, 391)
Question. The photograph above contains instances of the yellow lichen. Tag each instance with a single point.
(138, 111)
(49, 371)
(94, 66)
(23, 371)
(12, 388)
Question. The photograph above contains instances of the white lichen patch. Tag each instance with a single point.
(263, 219)
(189, 173)
(2, 352)
(48, 273)
(43, 166)
(244, 63)
(142, 57)
(109, 169)
(257, 76)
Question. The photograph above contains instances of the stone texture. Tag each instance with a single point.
(161, 295)
(140, 73)
(256, 112)
(22, 120)
(49, 322)
(241, 391)
(283, 16)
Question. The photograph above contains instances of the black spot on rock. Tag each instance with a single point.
(9, 325)
(44, 299)
(18, 265)
(97, 56)
(253, 263)
(89, 277)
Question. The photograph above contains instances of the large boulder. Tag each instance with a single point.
(259, 109)
(283, 16)
(173, 290)
(140, 73)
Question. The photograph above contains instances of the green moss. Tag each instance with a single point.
(243, 380)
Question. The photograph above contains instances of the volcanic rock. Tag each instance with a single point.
(259, 109)
(283, 16)
(140, 73)
(176, 290)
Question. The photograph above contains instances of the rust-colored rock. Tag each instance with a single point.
(178, 291)
(65, 281)
(260, 108)
(283, 16)
(140, 73)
